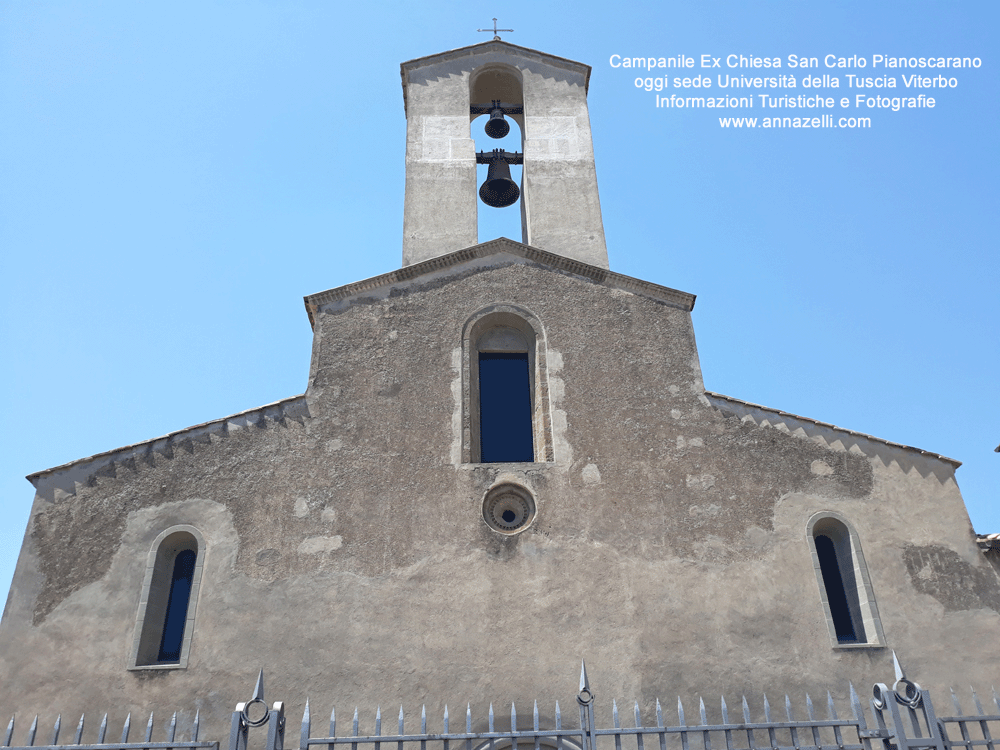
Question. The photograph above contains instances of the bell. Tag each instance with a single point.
(497, 126)
(499, 190)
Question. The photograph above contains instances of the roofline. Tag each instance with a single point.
(274, 410)
(501, 245)
(835, 428)
(473, 49)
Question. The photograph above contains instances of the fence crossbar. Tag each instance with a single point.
(574, 733)
(741, 727)
(120, 746)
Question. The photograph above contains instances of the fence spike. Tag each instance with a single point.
(196, 725)
(831, 710)
(810, 710)
(378, 721)
(859, 712)
(79, 731)
(149, 728)
(333, 722)
(725, 711)
(172, 731)
(659, 714)
(701, 710)
(445, 718)
(680, 712)
(258, 689)
(31, 732)
(534, 717)
(559, 715)
(355, 722)
(401, 720)
(638, 721)
(746, 711)
(10, 733)
(423, 719)
(305, 729)
(584, 680)
(103, 730)
(897, 666)
(491, 717)
(513, 717)
(979, 706)
(614, 713)
(788, 708)
(55, 730)
(767, 709)
(954, 702)
(126, 727)
(996, 698)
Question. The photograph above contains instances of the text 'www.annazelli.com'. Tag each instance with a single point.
(823, 121)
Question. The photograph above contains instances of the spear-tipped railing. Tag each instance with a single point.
(170, 741)
(897, 718)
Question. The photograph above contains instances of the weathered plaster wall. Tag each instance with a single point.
(347, 556)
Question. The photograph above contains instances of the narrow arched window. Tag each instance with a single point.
(165, 621)
(844, 610)
(845, 588)
(506, 413)
(177, 606)
(504, 396)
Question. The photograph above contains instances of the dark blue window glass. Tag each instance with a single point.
(504, 408)
(836, 594)
(177, 606)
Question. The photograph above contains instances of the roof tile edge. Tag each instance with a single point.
(63, 479)
(865, 443)
(472, 49)
(603, 276)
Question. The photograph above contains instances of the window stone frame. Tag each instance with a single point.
(863, 591)
(156, 581)
(504, 315)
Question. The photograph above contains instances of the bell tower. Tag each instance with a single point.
(547, 97)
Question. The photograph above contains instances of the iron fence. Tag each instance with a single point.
(898, 718)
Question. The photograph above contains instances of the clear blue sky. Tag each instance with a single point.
(177, 176)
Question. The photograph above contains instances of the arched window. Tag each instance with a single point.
(506, 409)
(845, 589)
(504, 397)
(165, 621)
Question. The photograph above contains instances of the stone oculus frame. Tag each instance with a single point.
(560, 207)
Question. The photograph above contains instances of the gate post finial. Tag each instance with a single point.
(907, 691)
(258, 690)
(898, 667)
(586, 696)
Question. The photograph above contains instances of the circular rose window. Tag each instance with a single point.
(508, 508)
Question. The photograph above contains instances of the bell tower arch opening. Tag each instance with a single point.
(497, 122)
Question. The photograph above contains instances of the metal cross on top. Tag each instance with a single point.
(496, 36)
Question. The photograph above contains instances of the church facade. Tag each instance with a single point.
(505, 461)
